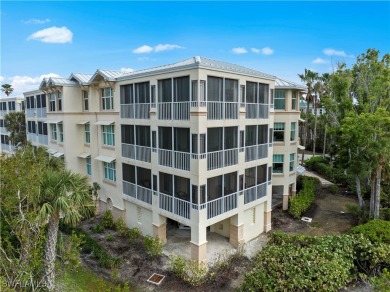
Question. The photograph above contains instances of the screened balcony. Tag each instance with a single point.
(135, 101)
(222, 98)
(256, 100)
(174, 99)
(136, 142)
(137, 183)
(255, 183)
(174, 195)
(222, 194)
(222, 147)
(256, 142)
(174, 147)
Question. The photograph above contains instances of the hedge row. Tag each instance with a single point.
(305, 198)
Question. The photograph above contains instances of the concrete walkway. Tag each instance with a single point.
(324, 182)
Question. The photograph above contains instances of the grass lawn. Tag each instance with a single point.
(80, 280)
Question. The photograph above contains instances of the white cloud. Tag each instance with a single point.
(22, 84)
(239, 51)
(1, 78)
(263, 51)
(143, 49)
(333, 52)
(36, 21)
(320, 61)
(159, 48)
(126, 70)
(59, 35)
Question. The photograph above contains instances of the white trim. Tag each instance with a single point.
(82, 122)
(58, 154)
(301, 147)
(104, 158)
(84, 155)
(104, 123)
(52, 122)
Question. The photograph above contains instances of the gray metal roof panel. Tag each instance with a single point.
(61, 81)
(81, 78)
(285, 84)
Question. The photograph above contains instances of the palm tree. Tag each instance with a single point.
(63, 195)
(318, 88)
(308, 77)
(15, 123)
(7, 88)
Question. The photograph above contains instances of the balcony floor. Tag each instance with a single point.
(178, 243)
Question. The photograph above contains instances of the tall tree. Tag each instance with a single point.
(7, 89)
(15, 123)
(63, 195)
(308, 78)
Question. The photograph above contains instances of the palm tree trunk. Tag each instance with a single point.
(323, 153)
(359, 192)
(378, 191)
(306, 129)
(315, 128)
(50, 252)
(372, 197)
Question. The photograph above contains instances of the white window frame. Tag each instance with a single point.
(292, 162)
(53, 131)
(107, 99)
(59, 98)
(88, 163)
(279, 129)
(60, 132)
(293, 131)
(109, 171)
(294, 100)
(277, 161)
(52, 102)
(278, 97)
(87, 133)
(108, 130)
(85, 100)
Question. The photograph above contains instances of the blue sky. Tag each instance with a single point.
(280, 38)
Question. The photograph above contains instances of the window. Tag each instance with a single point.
(294, 101)
(142, 92)
(108, 135)
(85, 101)
(263, 93)
(52, 102)
(277, 163)
(251, 92)
(202, 143)
(109, 170)
(292, 133)
(165, 90)
(127, 94)
(214, 89)
(280, 100)
(154, 139)
(242, 140)
(89, 165)
(271, 102)
(292, 159)
(202, 90)
(153, 95)
(53, 132)
(242, 93)
(181, 89)
(61, 132)
(87, 129)
(279, 132)
(194, 143)
(107, 99)
(231, 90)
(59, 101)
(271, 136)
(11, 105)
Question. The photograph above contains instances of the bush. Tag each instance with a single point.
(110, 237)
(375, 230)
(360, 213)
(189, 271)
(135, 235)
(98, 228)
(153, 246)
(382, 282)
(108, 220)
(121, 228)
(313, 161)
(305, 263)
(304, 199)
(333, 189)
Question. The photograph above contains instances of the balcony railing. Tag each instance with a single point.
(3, 130)
(42, 139)
(136, 152)
(254, 193)
(218, 110)
(176, 159)
(223, 158)
(174, 110)
(137, 192)
(174, 205)
(41, 112)
(31, 137)
(256, 152)
(257, 111)
(135, 111)
(30, 112)
(221, 205)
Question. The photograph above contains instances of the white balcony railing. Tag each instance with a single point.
(222, 205)
(254, 193)
(176, 159)
(223, 158)
(5, 147)
(137, 192)
(31, 137)
(136, 152)
(256, 152)
(42, 139)
(256, 111)
(174, 110)
(198, 103)
(30, 112)
(174, 205)
(218, 110)
(41, 112)
(135, 111)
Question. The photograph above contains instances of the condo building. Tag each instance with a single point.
(192, 142)
(8, 105)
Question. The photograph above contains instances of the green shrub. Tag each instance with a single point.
(121, 228)
(98, 228)
(153, 246)
(313, 161)
(360, 213)
(108, 220)
(381, 283)
(333, 189)
(189, 271)
(135, 236)
(110, 237)
(304, 199)
(375, 230)
(306, 263)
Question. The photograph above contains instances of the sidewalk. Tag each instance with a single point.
(324, 182)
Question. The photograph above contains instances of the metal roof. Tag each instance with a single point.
(198, 62)
(108, 75)
(285, 84)
(81, 78)
(58, 81)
